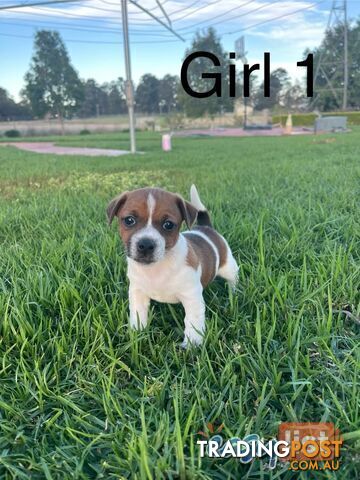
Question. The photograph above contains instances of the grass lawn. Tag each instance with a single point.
(81, 397)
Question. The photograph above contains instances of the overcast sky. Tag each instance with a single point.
(92, 33)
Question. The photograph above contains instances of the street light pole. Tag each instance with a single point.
(346, 59)
(129, 85)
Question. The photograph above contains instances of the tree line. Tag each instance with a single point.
(53, 87)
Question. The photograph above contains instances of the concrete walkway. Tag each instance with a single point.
(51, 148)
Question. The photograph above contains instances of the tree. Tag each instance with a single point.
(10, 110)
(279, 84)
(52, 85)
(331, 51)
(94, 102)
(168, 93)
(106, 99)
(196, 107)
(116, 96)
(147, 94)
(253, 88)
(294, 98)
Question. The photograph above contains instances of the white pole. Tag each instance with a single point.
(129, 84)
(346, 60)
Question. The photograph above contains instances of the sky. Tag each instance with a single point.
(92, 32)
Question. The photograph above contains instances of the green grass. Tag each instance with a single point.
(81, 397)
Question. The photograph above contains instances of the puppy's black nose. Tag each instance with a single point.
(146, 246)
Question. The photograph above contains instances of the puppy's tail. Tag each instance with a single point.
(203, 217)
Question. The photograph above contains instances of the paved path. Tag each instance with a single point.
(51, 148)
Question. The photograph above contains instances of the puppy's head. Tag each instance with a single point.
(150, 221)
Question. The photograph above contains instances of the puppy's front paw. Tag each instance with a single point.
(135, 324)
(193, 340)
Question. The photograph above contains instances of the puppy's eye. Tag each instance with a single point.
(168, 225)
(129, 221)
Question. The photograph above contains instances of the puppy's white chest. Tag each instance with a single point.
(159, 284)
(168, 279)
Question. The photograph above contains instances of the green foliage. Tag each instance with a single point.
(52, 85)
(85, 131)
(116, 97)
(308, 119)
(94, 102)
(331, 52)
(13, 133)
(147, 94)
(82, 397)
(10, 110)
(279, 83)
(168, 91)
(105, 99)
(197, 107)
(298, 119)
(157, 96)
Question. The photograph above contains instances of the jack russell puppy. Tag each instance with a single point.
(164, 264)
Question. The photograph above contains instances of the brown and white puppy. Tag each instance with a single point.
(164, 264)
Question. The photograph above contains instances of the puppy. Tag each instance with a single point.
(164, 264)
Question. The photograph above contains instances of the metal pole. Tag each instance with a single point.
(35, 4)
(164, 12)
(157, 19)
(245, 113)
(346, 67)
(245, 98)
(128, 85)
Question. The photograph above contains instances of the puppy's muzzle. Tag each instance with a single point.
(145, 249)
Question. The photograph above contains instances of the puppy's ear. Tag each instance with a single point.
(115, 205)
(188, 211)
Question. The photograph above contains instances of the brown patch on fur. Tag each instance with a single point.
(217, 240)
(205, 256)
(114, 206)
(191, 257)
(188, 211)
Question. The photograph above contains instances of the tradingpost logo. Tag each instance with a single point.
(313, 446)
(305, 446)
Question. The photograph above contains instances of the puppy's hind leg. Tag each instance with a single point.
(230, 270)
